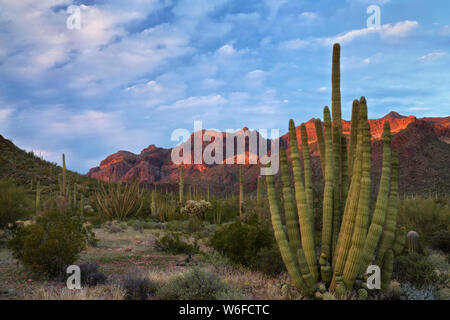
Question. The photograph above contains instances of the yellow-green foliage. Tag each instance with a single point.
(424, 215)
(118, 201)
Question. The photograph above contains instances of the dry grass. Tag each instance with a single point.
(108, 292)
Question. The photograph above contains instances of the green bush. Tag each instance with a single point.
(196, 284)
(441, 240)
(52, 243)
(137, 288)
(173, 244)
(241, 242)
(424, 215)
(414, 268)
(14, 204)
(269, 261)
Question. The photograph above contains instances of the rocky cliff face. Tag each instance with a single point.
(423, 146)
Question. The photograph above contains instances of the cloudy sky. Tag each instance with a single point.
(138, 69)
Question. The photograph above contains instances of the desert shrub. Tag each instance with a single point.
(195, 209)
(196, 284)
(241, 242)
(269, 261)
(52, 243)
(441, 240)
(172, 243)
(138, 288)
(414, 268)
(91, 275)
(222, 210)
(426, 216)
(14, 204)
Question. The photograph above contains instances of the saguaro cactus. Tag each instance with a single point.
(38, 196)
(241, 193)
(181, 183)
(64, 177)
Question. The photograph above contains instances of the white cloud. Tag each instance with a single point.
(226, 50)
(295, 44)
(386, 31)
(210, 101)
(309, 16)
(432, 56)
(255, 77)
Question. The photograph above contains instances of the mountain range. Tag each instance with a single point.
(423, 145)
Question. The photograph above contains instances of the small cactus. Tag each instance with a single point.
(413, 242)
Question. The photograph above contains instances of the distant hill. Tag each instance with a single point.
(423, 146)
(26, 169)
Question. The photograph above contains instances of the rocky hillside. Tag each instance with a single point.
(423, 146)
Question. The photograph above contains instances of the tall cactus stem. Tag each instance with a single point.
(305, 216)
(351, 268)
(348, 220)
(327, 219)
(280, 236)
(387, 239)
(353, 136)
(379, 215)
(289, 206)
(321, 143)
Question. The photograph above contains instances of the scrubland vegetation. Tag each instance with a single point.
(283, 241)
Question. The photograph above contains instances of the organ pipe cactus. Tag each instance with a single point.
(353, 136)
(349, 235)
(386, 271)
(305, 215)
(387, 239)
(320, 142)
(399, 241)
